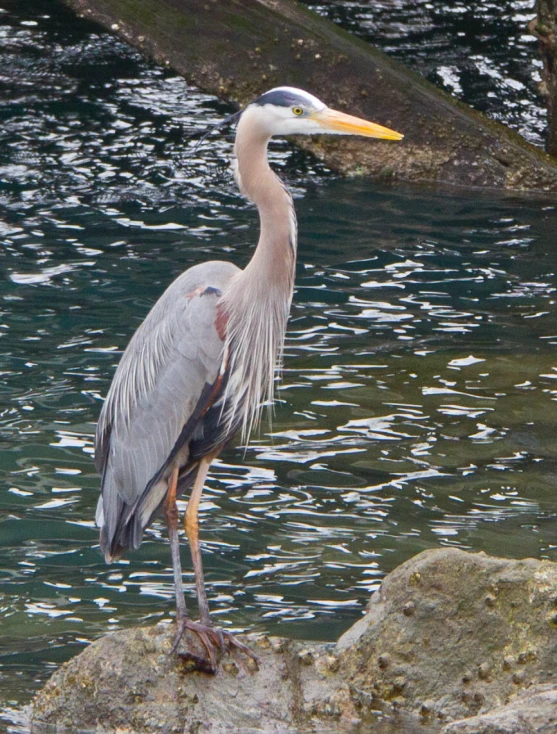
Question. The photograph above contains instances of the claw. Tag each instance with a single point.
(219, 639)
(232, 643)
(212, 639)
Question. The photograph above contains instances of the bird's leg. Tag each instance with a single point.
(171, 517)
(183, 620)
(191, 526)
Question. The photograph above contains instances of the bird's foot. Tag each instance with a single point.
(214, 640)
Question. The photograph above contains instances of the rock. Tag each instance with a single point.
(238, 49)
(453, 642)
(482, 629)
(532, 712)
(128, 682)
(545, 28)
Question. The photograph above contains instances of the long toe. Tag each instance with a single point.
(233, 643)
(215, 642)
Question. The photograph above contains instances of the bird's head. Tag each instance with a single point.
(291, 111)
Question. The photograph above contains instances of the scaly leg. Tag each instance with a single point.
(191, 525)
(171, 517)
(183, 620)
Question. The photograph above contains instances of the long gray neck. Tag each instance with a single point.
(257, 300)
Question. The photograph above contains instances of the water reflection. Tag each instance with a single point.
(417, 403)
(480, 52)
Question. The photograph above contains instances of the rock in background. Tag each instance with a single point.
(238, 49)
(545, 27)
(531, 712)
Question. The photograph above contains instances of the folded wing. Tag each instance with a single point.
(164, 384)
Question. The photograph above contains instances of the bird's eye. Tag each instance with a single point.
(297, 111)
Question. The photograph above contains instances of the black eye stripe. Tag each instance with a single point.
(279, 98)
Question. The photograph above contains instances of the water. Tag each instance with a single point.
(480, 52)
(417, 406)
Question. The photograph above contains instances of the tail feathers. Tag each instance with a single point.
(114, 541)
(109, 511)
(112, 551)
(122, 525)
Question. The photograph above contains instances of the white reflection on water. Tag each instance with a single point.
(415, 403)
(473, 50)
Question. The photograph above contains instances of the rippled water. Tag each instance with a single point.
(480, 51)
(417, 405)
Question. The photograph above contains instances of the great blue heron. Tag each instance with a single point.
(202, 364)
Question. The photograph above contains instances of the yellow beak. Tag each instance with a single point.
(333, 121)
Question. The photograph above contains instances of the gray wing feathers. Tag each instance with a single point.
(171, 357)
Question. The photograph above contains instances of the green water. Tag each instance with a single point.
(418, 401)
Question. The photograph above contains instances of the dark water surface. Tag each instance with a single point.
(418, 401)
(480, 51)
